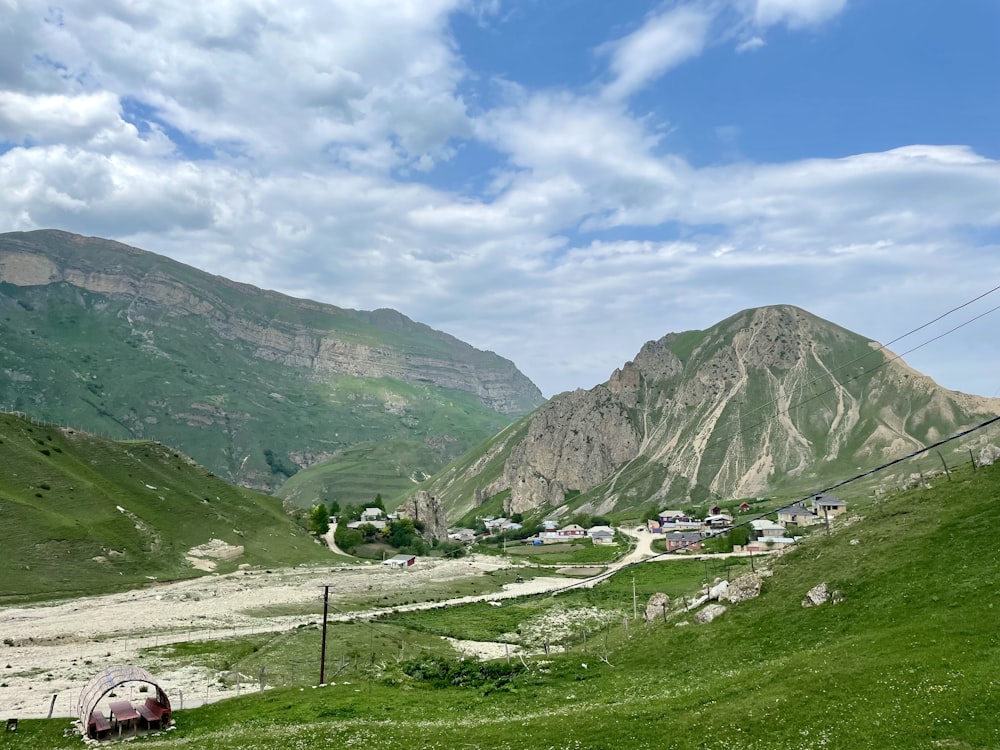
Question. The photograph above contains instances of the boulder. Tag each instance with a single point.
(742, 589)
(709, 613)
(656, 607)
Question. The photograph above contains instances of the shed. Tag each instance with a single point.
(94, 723)
(400, 561)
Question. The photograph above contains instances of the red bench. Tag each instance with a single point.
(154, 711)
(99, 725)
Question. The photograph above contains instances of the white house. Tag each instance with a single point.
(371, 514)
(762, 528)
(400, 561)
(601, 534)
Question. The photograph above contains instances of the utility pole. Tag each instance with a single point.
(635, 615)
(322, 658)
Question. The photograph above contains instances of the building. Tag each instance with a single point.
(372, 514)
(400, 561)
(762, 529)
(462, 535)
(572, 531)
(682, 541)
(828, 506)
(601, 534)
(718, 522)
(798, 515)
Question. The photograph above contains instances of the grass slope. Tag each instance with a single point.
(231, 374)
(62, 532)
(907, 659)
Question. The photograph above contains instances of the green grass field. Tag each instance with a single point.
(907, 659)
(85, 515)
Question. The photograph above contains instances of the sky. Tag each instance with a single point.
(558, 181)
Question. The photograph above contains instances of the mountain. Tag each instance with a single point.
(80, 514)
(253, 384)
(770, 400)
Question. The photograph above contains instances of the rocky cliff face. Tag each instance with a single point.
(770, 398)
(156, 286)
(253, 384)
(428, 510)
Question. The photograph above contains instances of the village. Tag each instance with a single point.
(679, 531)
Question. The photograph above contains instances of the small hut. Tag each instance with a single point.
(124, 715)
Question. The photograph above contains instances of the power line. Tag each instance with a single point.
(837, 485)
(836, 384)
(884, 346)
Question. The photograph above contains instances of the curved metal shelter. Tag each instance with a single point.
(102, 684)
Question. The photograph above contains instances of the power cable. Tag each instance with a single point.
(763, 516)
(837, 384)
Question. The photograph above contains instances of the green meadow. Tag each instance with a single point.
(906, 659)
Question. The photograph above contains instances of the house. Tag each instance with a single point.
(653, 526)
(511, 526)
(718, 521)
(494, 524)
(601, 534)
(744, 507)
(797, 515)
(715, 510)
(681, 523)
(372, 514)
(462, 535)
(549, 526)
(357, 524)
(683, 540)
(400, 561)
(763, 529)
(666, 516)
(828, 506)
(770, 543)
(572, 531)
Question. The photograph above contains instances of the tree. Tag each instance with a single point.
(319, 520)
(347, 539)
(401, 533)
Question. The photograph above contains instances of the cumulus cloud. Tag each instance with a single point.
(282, 145)
(663, 42)
(796, 14)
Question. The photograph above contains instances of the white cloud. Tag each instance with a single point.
(796, 14)
(663, 42)
(591, 237)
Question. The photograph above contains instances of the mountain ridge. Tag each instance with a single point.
(770, 399)
(254, 384)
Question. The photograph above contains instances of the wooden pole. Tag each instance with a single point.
(947, 473)
(322, 657)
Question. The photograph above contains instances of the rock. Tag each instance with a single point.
(988, 455)
(718, 591)
(656, 607)
(425, 508)
(695, 603)
(742, 589)
(821, 594)
(709, 613)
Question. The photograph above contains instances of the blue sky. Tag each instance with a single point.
(558, 181)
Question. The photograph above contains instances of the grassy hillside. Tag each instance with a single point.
(253, 384)
(907, 659)
(81, 514)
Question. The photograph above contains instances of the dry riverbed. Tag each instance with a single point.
(54, 649)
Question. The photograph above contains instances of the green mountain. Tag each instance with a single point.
(771, 400)
(80, 514)
(253, 384)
